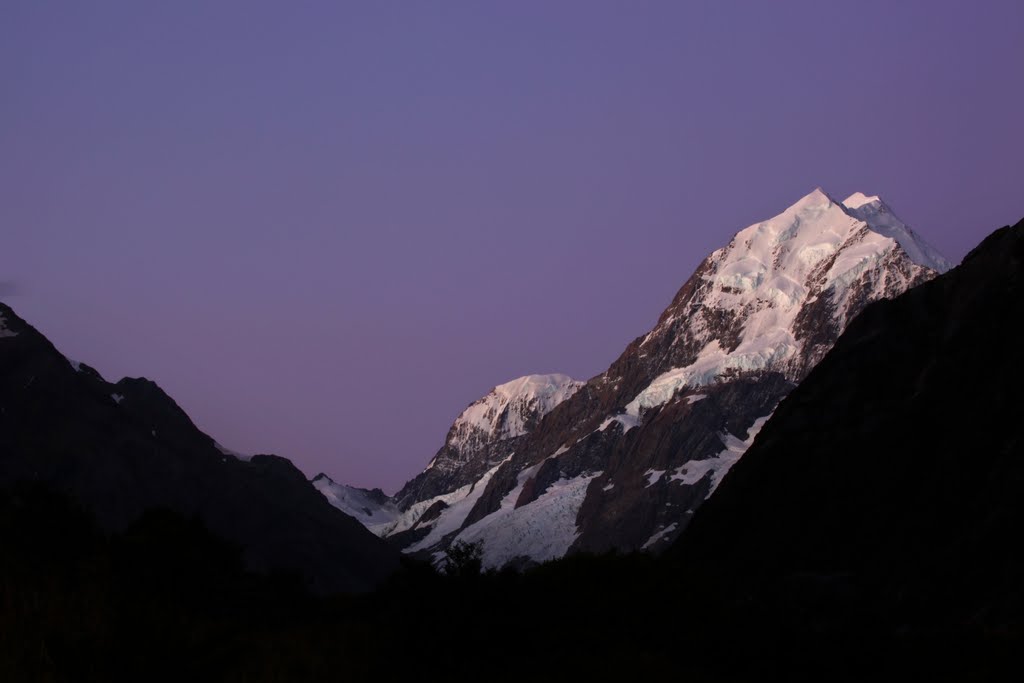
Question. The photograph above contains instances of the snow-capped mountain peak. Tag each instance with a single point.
(760, 302)
(506, 411)
(624, 463)
(750, 323)
(816, 197)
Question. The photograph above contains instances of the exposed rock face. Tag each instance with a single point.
(125, 447)
(886, 487)
(624, 460)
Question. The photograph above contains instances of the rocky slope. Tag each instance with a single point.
(625, 459)
(123, 448)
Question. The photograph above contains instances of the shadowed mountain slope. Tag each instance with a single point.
(123, 448)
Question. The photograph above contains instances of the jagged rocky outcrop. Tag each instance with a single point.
(885, 490)
(122, 448)
(624, 460)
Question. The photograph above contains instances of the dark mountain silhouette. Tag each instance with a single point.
(123, 448)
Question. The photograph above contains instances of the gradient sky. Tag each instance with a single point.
(325, 228)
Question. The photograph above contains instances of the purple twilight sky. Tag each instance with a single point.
(325, 228)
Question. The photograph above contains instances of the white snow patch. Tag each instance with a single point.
(859, 199)
(357, 503)
(541, 530)
(653, 477)
(452, 517)
(627, 421)
(711, 362)
(118, 398)
(695, 470)
(449, 517)
(658, 535)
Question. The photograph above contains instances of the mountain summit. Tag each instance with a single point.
(623, 460)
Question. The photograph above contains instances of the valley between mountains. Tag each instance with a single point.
(808, 469)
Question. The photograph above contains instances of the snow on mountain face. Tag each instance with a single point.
(509, 410)
(543, 530)
(882, 220)
(647, 435)
(772, 272)
(370, 507)
(451, 510)
(486, 433)
(434, 504)
(634, 451)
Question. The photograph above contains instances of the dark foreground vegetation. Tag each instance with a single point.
(167, 600)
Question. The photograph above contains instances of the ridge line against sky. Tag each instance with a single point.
(326, 229)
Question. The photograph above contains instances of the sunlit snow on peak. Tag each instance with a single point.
(503, 413)
(773, 270)
(881, 219)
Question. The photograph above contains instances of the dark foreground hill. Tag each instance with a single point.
(123, 448)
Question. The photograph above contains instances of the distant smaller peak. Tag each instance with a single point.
(323, 477)
(859, 199)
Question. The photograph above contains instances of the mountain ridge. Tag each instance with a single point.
(123, 448)
(659, 428)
